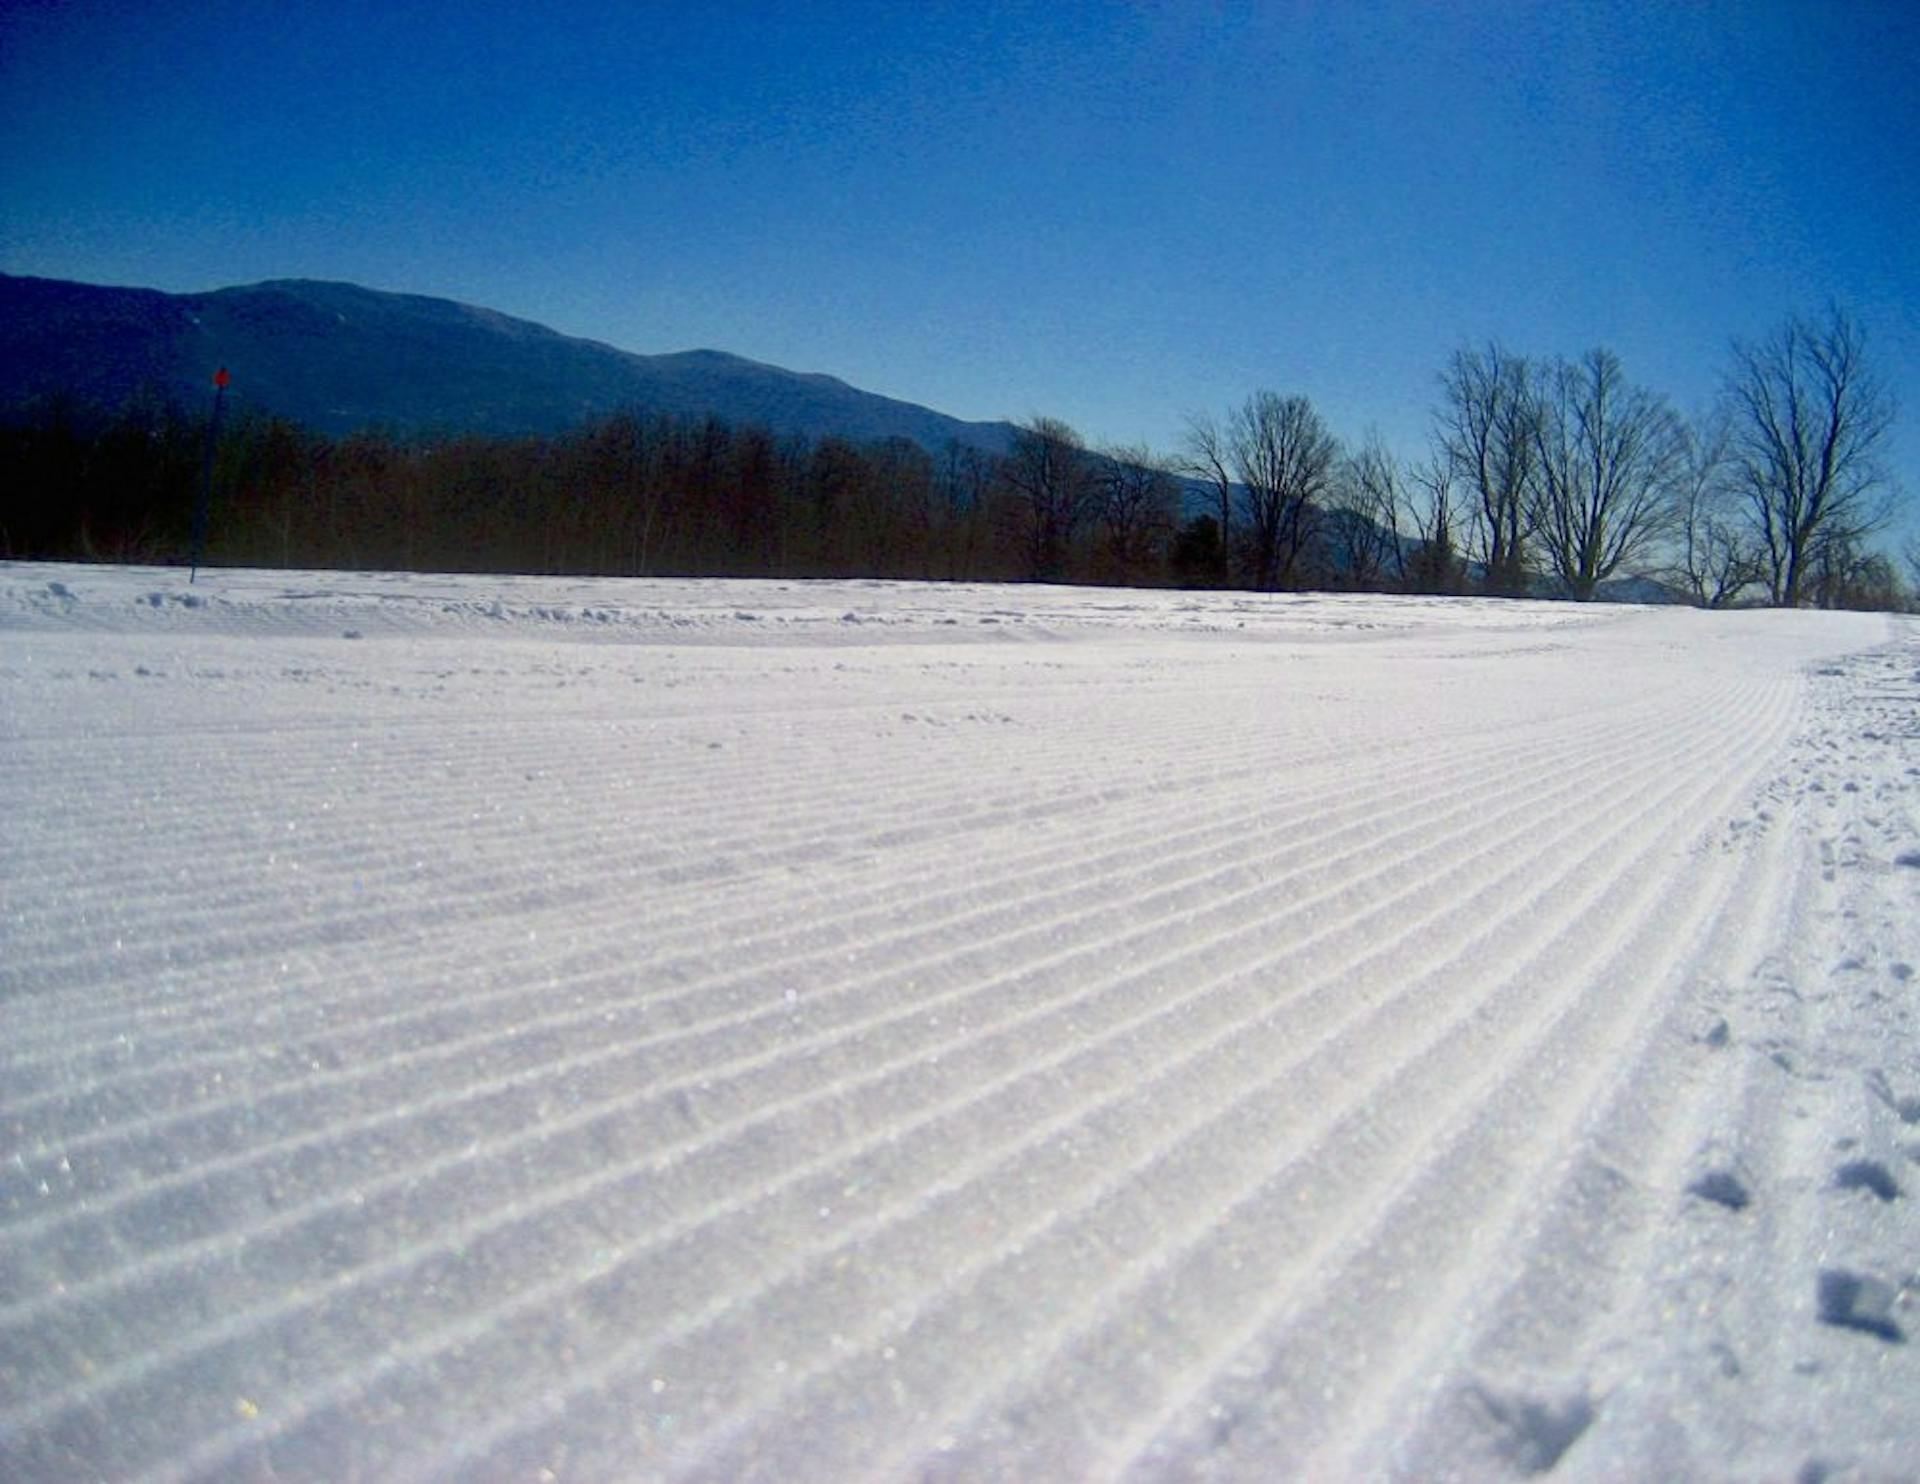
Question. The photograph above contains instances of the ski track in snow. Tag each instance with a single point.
(515, 1028)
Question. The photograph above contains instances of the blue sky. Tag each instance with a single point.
(1110, 213)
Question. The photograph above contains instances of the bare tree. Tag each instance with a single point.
(1844, 574)
(1713, 558)
(966, 477)
(1609, 466)
(1366, 515)
(1205, 456)
(1808, 419)
(1485, 425)
(1284, 457)
(1435, 565)
(892, 509)
(1048, 475)
(1136, 499)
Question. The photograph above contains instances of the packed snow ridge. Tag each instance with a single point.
(520, 1028)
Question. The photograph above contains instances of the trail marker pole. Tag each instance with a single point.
(203, 506)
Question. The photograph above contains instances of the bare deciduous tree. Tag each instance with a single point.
(1435, 565)
(1047, 473)
(966, 477)
(1284, 457)
(1713, 558)
(892, 508)
(1205, 456)
(1366, 515)
(1808, 419)
(1844, 574)
(1485, 425)
(1136, 500)
(1610, 463)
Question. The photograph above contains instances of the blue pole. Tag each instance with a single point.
(204, 504)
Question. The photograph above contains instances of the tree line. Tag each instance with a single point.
(1557, 475)
(1568, 468)
(1546, 475)
(633, 494)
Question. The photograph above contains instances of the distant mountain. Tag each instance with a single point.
(337, 357)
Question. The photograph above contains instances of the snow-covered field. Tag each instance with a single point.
(494, 1027)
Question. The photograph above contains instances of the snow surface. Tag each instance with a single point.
(472, 1027)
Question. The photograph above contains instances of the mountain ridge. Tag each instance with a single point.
(340, 357)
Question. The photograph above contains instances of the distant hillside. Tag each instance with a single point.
(337, 357)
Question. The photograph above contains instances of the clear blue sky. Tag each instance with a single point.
(1109, 213)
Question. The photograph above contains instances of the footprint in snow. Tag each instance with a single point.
(1536, 1431)
(1723, 1188)
(1906, 1107)
(1867, 1174)
(1859, 1301)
